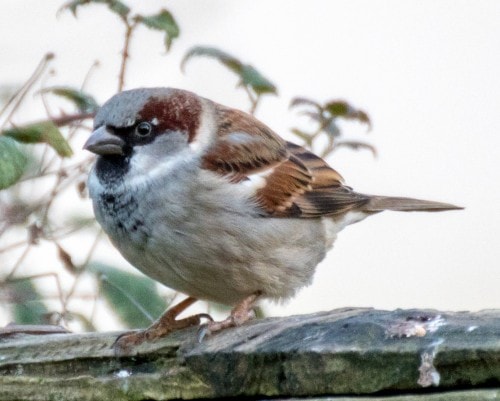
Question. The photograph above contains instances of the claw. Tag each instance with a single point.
(166, 324)
(240, 314)
(205, 316)
(126, 341)
(202, 332)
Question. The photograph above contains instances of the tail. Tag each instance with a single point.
(380, 203)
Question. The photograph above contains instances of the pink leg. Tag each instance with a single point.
(240, 314)
(167, 323)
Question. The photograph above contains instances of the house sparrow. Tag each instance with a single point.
(212, 203)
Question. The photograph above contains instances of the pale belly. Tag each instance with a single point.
(224, 263)
(211, 249)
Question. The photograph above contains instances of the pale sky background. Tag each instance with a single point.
(427, 72)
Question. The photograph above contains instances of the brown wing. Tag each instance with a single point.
(296, 182)
(244, 145)
(328, 195)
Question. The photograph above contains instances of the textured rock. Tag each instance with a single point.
(414, 354)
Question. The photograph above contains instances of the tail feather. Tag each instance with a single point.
(380, 203)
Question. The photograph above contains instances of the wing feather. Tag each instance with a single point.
(297, 183)
(244, 145)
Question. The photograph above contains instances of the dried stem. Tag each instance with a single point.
(94, 65)
(90, 253)
(18, 262)
(71, 118)
(254, 99)
(125, 53)
(16, 100)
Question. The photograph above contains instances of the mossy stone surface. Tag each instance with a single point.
(346, 354)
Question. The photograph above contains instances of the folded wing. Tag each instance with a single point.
(289, 180)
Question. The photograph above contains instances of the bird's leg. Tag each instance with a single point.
(240, 314)
(166, 323)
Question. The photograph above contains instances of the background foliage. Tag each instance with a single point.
(40, 169)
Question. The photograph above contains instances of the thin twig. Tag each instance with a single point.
(53, 194)
(79, 167)
(13, 246)
(254, 100)
(18, 262)
(94, 65)
(67, 119)
(18, 97)
(125, 53)
(91, 251)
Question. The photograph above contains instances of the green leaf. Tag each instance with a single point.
(163, 21)
(27, 306)
(118, 7)
(115, 6)
(253, 78)
(12, 162)
(83, 101)
(338, 108)
(229, 61)
(43, 132)
(134, 298)
(248, 75)
(341, 108)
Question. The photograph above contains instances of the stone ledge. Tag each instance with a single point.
(422, 354)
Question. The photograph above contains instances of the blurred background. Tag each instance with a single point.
(425, 72)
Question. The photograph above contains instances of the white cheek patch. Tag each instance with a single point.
(144, 169)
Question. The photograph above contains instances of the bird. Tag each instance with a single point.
(211, 202)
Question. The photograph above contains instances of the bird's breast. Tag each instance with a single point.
(199, 236)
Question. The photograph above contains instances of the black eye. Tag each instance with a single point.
(143, 129)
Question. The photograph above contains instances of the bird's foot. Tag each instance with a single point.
(240, 314)
(166, 324)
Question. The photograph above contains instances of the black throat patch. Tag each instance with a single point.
(110, 170)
